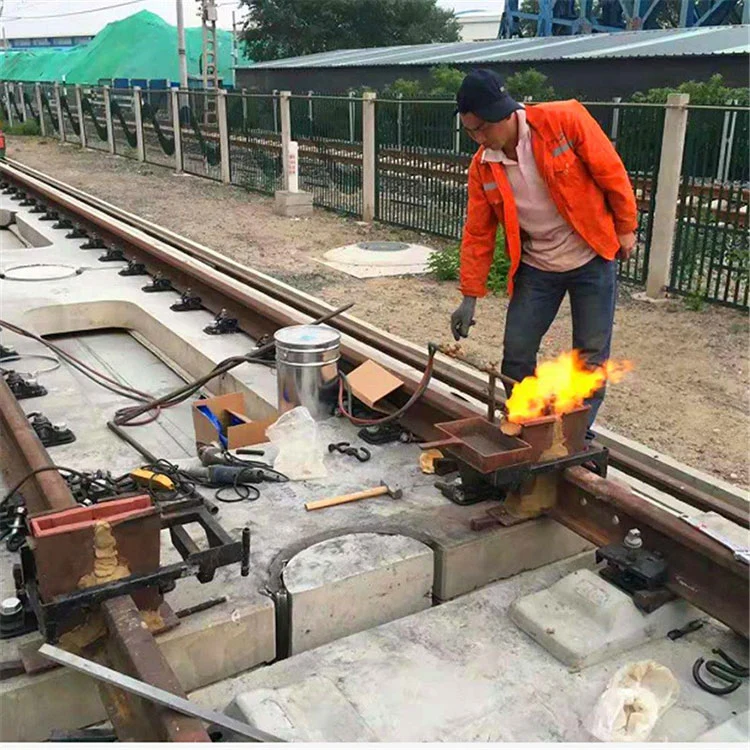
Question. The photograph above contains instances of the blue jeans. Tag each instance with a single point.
(536, 299)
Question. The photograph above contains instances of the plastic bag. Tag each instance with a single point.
(300, 455)
(635, 698)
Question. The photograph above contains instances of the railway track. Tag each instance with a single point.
(702, 571)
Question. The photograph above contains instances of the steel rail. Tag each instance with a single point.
(707, 560)
(128, 644)
(699, 494)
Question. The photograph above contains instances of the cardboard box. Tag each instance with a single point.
(231, 412)
(371, 382)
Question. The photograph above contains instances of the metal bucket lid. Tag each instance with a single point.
(307, 338)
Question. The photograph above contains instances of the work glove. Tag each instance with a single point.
(463, 318)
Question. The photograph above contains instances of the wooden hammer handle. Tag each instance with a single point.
(339, 499)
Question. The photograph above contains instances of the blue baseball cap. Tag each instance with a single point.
(483, 94)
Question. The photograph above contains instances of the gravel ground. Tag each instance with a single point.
(688, 394)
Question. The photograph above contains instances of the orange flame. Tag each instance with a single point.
(560, 386)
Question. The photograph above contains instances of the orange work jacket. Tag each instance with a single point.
(586, 180)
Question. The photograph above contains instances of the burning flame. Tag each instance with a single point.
(560, 386)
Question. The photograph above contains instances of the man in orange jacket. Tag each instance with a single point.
(550, 176)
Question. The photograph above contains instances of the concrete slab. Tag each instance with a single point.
(354, 582)
(242, 633)
(464, 672)
(582, 619)
(299, 203)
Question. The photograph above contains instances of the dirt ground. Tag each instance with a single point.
(688, 394)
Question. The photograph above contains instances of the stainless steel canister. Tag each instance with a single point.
(306, 368)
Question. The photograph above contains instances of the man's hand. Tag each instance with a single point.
(627, 243)
(463, 318)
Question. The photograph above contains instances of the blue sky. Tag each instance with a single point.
(22, 18)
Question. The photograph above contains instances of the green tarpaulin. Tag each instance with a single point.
(140, 46)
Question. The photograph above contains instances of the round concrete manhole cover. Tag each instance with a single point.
(383, 247)
(39, 272)
(379, 258)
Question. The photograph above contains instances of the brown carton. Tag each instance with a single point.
(250, 432)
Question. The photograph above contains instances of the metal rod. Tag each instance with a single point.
(153, 694)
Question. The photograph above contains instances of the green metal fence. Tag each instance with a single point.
(711, 255)
(71, 125)
(158, 129)
(329, 132)
(636, 132)
(254, 142)
(421, 157)
(123, 123)
(199, 132)
(30, 102)
(95, 118)
(49, 108)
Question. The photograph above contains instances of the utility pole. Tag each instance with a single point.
(181, 46)
(210, 66)
(234, 49)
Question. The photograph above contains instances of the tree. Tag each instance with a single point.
(710, 92)
(444, 82)
(276, 29)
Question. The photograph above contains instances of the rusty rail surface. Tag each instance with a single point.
(257, 318)
(700, 570)
(130, 647)
(211, 275)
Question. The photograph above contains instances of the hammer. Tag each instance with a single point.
(384, 489)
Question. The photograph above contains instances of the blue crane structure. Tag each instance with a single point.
(567, 17)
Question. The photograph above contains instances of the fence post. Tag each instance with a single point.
(457, 133)
(244, 109)
(667, 195)
(175, 96)
(106, 93)
(19, 92)
(59, 110)
(399, 118)
(352, 117)
(286, 134)
(310, 111)
(79, 107)
(221, 106)
(275, 94)
(615, 129)
(137, 104)
(6, 91)
(368, 155)
(38, 97)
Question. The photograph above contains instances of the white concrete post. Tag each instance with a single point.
(667, 195)
(79, 107)
(286, 134)
(59, 110)
(399, 118)
(244, 109)
(615, 129)
(140, 143)
(275, 94)
(6, 91)
(175, 94)
(21, 100)
(38, 97)
(221, 106)
(352, 117)
(293, 167)
(368, 155)
(107, 94)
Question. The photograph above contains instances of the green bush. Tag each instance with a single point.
(711, 92)
(444, 266)
(30, 127)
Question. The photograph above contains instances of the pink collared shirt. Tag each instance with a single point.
(548, 242)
